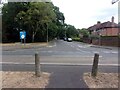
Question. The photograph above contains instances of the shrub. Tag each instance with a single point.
(76, 39)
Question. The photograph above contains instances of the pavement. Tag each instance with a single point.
(62, 76)
(100, 46)
(16, 46)
(105, 47)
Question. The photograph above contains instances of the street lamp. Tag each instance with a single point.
(47, 34)
(114, 1)
(65, 31)
(100, 39)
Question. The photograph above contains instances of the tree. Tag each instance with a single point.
(59, 15)
(59, 22)
(37, 17)
(84, 32)
(71, 31)
(9, 27)
(0, 28)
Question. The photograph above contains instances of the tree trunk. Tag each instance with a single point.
(33, 37)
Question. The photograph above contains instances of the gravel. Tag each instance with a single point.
(103, 80)
(24, 80)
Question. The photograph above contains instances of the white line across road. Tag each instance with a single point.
(114, 52)
(50, 51)
(58, 64)
(82, 50)
(60, 56)
(81, 46)
(96, 52)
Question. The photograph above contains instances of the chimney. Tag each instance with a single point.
(112, 19)
(98, 22)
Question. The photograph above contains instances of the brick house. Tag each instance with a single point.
(105, 29)
(107, 32)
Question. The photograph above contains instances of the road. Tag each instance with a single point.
(65, 61)
(62, 52)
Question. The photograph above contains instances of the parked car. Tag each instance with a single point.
(69, 39)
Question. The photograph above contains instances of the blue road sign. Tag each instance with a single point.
(22, 34)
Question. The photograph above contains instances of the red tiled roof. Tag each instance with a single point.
(92, 27)
(107, 24)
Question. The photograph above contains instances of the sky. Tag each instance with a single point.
(85, 13)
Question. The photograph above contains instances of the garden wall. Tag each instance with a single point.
(107, 41)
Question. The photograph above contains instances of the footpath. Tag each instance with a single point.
(57, 76)
(105, 47)
(14, 46)
(98, 46)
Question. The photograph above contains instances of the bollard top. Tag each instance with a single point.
(96, 53)
(36, 53)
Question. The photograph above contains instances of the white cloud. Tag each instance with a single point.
(84, 13)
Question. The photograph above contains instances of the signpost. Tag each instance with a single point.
(23, 36)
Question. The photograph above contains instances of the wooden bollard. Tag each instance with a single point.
(37, 65)
(95, 65)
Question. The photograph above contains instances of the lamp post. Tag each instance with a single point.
(65, 31)
(114, 1)
(47, 32)
(100, 39)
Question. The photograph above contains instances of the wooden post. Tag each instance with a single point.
(95, 65)
(37, 65)
(24, 41)
(21, 41)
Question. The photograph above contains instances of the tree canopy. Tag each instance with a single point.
(35, 18)
(71, 31)
(84, 32)
(42, 21)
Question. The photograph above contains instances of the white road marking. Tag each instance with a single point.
(85, 46)
(82, 50)
(96, 52)
(114, 52)
(49, 46)
(74, 56)
(59, 64)
(80, 46)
